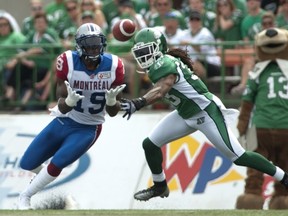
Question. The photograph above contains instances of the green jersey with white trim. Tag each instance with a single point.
(269, 94)
(189, 95)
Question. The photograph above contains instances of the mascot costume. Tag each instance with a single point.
(264, 105)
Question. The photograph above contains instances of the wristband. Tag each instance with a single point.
(139, 102)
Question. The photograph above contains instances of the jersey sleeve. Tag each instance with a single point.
(250, 91)
(62, 66)
(120, 71)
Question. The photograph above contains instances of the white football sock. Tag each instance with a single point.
(159, 177)
(279, 174)
(39, 182)
(38, 169)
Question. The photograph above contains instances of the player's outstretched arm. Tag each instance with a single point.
(159, 90)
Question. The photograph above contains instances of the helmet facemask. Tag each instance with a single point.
(90, 47)
(146, 54)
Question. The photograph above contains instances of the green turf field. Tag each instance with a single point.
(147, 212)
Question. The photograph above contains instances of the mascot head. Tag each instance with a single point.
(271, 44)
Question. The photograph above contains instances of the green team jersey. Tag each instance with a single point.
(157, 20)
(189, 95)
(9, 46)
(56, 12)
(241, 5)
(28, 24)
(251, 25)
(207, 18)
(233, 33)
(49, 53)
(281, 21)
(269, 93)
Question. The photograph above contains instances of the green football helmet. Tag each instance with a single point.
(149, 45)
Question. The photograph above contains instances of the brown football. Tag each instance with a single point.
(123, 29)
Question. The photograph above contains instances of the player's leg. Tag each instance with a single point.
(72, 149)
(41, 149)
(77, 141)
(45, 144)
(76, 144)
(37, 184)
(224, 140)
(164, 132)
(38, 169)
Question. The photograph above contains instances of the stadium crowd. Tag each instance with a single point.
(49, 30)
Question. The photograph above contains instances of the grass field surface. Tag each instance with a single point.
(146, 212)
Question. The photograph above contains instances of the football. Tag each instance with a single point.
(124, 29)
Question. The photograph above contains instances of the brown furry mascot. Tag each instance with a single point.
(265, 105)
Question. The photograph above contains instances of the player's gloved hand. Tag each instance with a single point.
(110, 95)
(130, 106)
(72, 98)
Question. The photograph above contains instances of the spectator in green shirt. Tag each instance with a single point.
(10, 37)
(163, 7)
(69, 25)
(96, 9)
(267, 21)
(207, 16)
(251, 24)
(56, 11)
(282, 16)
(34, 63)
(36, 6)
(227, 26)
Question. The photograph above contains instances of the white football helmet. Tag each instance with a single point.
(90, 41)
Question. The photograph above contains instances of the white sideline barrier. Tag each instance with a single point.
(115, 168)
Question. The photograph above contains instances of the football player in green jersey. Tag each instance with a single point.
(196, 108)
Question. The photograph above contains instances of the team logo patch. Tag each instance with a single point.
(200, 120)
(105, 75)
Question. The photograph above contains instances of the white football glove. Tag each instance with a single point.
(110, 95)
(72, 98)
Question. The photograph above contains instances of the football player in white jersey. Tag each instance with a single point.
(88, 81)
(171, 72)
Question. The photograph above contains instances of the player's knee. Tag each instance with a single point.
(26, 164)
(243, 160)
(53, 170)
(148, 145)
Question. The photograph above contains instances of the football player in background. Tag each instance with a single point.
(87, 80)
(196, 109)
